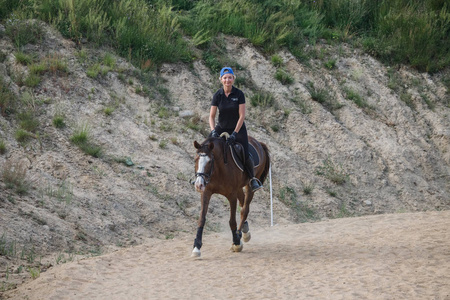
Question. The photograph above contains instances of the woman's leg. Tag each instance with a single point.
(242, 138)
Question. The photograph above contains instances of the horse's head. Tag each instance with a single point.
(204, 164)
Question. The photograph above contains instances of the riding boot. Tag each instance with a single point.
(255, 184)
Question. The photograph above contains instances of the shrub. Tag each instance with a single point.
(305, 108)
(407, 98)
(308, 188)
(55, 63)
(276, 60)
(23, 58)
(93, 70)
(163, 112)
(193, 123)
(109, 60)
(163, 144)
(22, 136)
(413, 34)
(275, 127)
(149, 33)
(81, 139)
(28, 121)
(137, 29)
(322, 96)
(39, 68)
(3, 56)
(58, 121)
(32, 80)
(213, 61)
(263, 99)
(14, 176)
(330, 64)
(23, 32)
(8, 6)
(2, 147)
(108, 110)
(80, 136)
(284, 77)
(7, 99)
(91, 149)
(332, 171)
(201, 38)
(356, 98)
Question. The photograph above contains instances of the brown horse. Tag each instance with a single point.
(216, 173)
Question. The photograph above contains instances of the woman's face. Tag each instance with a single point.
(227, 80)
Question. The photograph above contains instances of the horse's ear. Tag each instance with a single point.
(196, 145)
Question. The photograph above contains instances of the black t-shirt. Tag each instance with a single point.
(228, 107)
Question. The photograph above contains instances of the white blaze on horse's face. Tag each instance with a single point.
(203, 161)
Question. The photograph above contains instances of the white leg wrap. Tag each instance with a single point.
(246, 236)
(196, 252)
(237, 248)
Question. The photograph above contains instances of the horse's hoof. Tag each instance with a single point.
(237, 248)
(246, 237)
(196, 253)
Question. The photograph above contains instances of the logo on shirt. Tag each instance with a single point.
(234, 99)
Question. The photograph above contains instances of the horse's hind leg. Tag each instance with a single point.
(237, 245)
(246, 236)
(243, 226)
(241, 197)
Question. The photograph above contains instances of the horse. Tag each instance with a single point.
(217, 173)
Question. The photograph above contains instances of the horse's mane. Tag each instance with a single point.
(222, 139)
(216, 141)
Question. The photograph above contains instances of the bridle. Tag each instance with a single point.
(206, 176)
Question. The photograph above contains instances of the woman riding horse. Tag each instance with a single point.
(230, 101)
(214, 175)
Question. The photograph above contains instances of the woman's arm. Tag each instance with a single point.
(212, 117)
(241, 117)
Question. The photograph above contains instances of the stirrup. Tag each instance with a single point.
(255, 184)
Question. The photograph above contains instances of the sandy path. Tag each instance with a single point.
(401, 256)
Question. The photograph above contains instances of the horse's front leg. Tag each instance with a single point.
(237, 245)
(206, 196)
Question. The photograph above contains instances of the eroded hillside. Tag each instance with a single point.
(348, 136)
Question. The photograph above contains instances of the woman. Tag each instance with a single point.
(230, 101)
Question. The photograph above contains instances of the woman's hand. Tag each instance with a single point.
(231, 140)
(214, 133)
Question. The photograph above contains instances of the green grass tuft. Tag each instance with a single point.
(263, 99)
(2, 147)
(58, 121)
(81, 138)
(284, 77)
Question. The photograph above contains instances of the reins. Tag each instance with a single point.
(225, 135)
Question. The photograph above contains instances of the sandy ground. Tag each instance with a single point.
(399, 256)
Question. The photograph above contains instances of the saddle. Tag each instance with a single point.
(238, 155)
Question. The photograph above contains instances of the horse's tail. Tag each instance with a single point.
(265, 172)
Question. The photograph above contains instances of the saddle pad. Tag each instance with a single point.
(254, 154)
